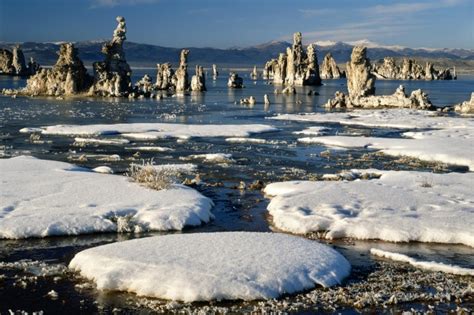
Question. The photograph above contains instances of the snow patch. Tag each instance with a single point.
(150, 148)
(451, 146)
(42, 198)
(427, 265)
(246, 140)
(151, 131)
(313, 131)
(212, 157)
(400, 206)
(391, 118)
(93, 141)
(103, 170)
(449, 141)
(213, 266)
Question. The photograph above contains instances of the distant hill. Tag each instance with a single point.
(145, 55)
(341, 51)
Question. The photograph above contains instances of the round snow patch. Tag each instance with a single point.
(103, 170)
(209, 266)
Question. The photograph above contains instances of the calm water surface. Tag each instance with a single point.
(281, 159)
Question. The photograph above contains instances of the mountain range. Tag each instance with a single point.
(146, 55)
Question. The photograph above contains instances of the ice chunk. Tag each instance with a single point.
(245, 140)
(150, 148)
(212, 157)
(93, 141)
(103, 170)
(313, 131)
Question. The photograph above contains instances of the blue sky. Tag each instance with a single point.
(227, 23)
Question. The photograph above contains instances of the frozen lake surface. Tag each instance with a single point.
(31, 268)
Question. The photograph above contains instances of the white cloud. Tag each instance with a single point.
(371, 28)
(412, 7)
(377, 23)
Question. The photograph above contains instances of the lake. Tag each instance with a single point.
(25, 285)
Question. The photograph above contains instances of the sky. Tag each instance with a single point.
(242, 23)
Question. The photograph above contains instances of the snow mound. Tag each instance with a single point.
(212, 157)
(213, 266)
(428, 265)
(400, 206)
(42, 198)
(150, 131)
(103, 170)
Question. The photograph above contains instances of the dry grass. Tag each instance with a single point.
(426, 182)
(150, 177)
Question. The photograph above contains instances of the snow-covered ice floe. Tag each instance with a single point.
(427, 265)
(450, 146)
(211, 157)
(213, 266)
(150, 131)
(400, 206)
(41, 198)
(391, 118)
(245, 140)
(150, 149)
(313, 131)
(449, 140)
(93, 141)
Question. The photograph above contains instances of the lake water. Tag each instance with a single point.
(281, 158)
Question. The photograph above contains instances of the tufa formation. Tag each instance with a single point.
(329, 68)
(13, 63)
(410, 70)
(295, 67)
(361, 87)
(112, 76)
(67, 77)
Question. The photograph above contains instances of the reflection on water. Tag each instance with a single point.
(280, 158)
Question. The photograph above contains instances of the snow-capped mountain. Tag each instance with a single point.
(139, 54)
